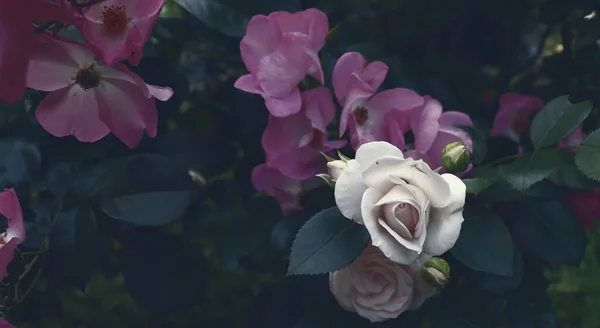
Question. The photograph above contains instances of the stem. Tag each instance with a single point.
(504, 159)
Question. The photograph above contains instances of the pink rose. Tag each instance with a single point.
(379, 289)
(88, 100)
(279, 50)
(119, 29)
(293, 143)
(514, 115)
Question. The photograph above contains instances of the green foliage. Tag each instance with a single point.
(556, 120)
(477, 185)
(550, 230)
(588, 155)
(494, 252)
(532, 168)
(326, 243)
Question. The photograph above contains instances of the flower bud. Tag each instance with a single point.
(436, 272)
(456, 157)
(335, 168)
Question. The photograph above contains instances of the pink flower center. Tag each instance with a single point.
(87, 78)
(2, 240)
(115, 19)
(361, 115)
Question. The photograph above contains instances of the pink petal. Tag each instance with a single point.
(348, 63)
(5, 324)
(126, 111)
(374, 73)
(285, 190)
(51, 68)
(71, 111)
(515, 109)
(454, 119)
(399, 99)
(359, 91)
(299, 164)
(425, 125)
(262, 37)
(318, 27)
(281, 107)
(396, 131)
(109, 49)
(575, 138)
(281, 71)
(248, 83)
(284, 134)
(318, 107)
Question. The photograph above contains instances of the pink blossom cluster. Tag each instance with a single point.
(91, 93)
(280, 51)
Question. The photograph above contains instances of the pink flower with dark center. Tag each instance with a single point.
(354, 81)
(15, 233)
(514, 115)
(293, 143)
(119, 29)
(279, 50)
(88, 100)
(17, 39)
(286, 190)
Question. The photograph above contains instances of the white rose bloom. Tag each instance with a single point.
(407, 208)
(379, 289)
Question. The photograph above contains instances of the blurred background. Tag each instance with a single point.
(173, 233)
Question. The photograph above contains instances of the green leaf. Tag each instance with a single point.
(556, 120)
(150, 209)
(326, 243)
(477, 185)
(572, 178)
(484, 244)
(550, 230)
(588, 156)
(532, 168)
(217, 15)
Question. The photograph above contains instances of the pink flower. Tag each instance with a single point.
(293, 143)
(431, 137)
(16, 41)
(279, 50)
(287, 191)
(354, 81)
(5, 324)
(514, 115)
(119, 29)
(378, 289)
(573, 139)
(586, 205)
(15, 233)
(88, 100)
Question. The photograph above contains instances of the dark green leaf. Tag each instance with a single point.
(326, 243)
(150, 209)
(477, 185)
(484, 243)
(20, 160)
(588, 155)
(550, 230)
(532, 168)
(556, 120)
(571, 177)
(502, 284)
(217, 15)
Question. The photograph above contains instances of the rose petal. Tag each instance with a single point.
(248, 83)
(445, 223)
(348, 192)
(388, 171)
(368, 153)
(262, 38)
(318, 107)
(425, 125)
(382, 236)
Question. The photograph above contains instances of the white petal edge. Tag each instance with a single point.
(368, 153)
(348, 192)
(445, 223)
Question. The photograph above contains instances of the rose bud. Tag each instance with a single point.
(335, 168)
(436, 272)
(456, 157)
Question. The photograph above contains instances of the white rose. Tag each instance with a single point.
(406, 207)
(379, 289)
(336, 168)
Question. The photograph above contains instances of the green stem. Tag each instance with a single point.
(507, 158)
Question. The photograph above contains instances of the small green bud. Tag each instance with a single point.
(436, 272)
(336, 168)
(456, 157)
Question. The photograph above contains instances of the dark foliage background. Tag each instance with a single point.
(173, 234)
